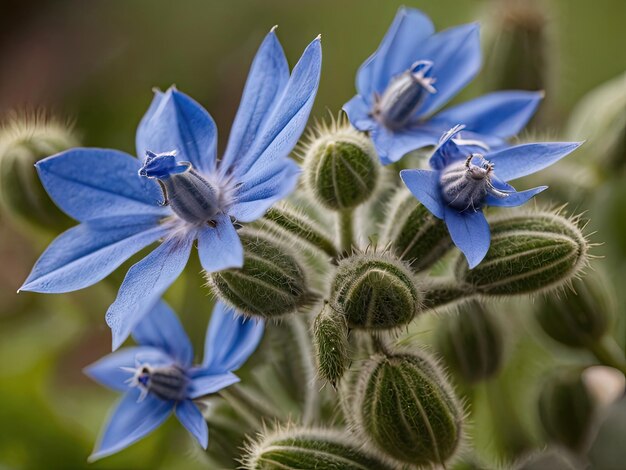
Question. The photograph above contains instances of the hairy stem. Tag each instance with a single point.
(445, 292)
(346, 230)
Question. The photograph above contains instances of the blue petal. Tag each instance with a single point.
(447, 150)
(129, 422)
(189, 416)
(400, 48)
(230, 339)
(89, 252)
(424, 185)
(220, 247)
(455, 54)
(393, 145)
(516, 198)
(470, 233)
(205, 382)
(266, 81)
(108, 370)
(175, 122)
(522, 160)
(502, 114)
(271, 184)
(162, 329)
(145, 284)
(88, 183)
(283, 127)
(358, 112)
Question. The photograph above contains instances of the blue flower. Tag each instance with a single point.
(122, 209)
(466, 178)
(413, 73)
(158, 378)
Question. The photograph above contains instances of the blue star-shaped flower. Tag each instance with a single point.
(122, 209)
(158, 378)
(466, 178)
(413, 73)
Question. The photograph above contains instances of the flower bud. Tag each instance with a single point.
(471, 342)
(414, 234)
(407, 408)
(24, 140)
(271, 283)
(303, 448)
(580, 317)
(567, 410)
(330, 338)
(375, 291)
(529, 252)
(340, 165)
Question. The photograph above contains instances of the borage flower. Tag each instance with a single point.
(413, 73)
(122, 209)
(464, 181)
(158, 377)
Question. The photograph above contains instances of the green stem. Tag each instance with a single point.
(608, 352)
(346, 230)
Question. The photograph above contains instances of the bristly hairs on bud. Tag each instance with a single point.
(330, 339)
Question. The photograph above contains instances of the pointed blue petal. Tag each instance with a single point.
(424, 185)
(219, 247)
(230, 339)
(162, 329)
(447, 150)
(266, 81)
(189, 416)
(502, 114)
(283, 127)
(108, 370)
(522, 160)
(358, 112)
(87, 253)
(470, 233)
(175, 122)
(514, 199)
(257, 195)
(400, 48)
(204, 382)
(456, 58)
(88, 183)
(145, 284)
(129, 422)
(393, 145)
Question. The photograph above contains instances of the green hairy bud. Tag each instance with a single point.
(304, 449)
(24, 140)
(407, 408)
(579, 317)
(330, 337)
(529, 253)
(375, 291)
(414, 234)
(471, 342)
(271, 283)
(340, 165)
(567, 410)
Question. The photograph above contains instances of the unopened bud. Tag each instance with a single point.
(330, 337)
(375, 291)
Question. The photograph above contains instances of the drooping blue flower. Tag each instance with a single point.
(464, 179)
(413, 73)
(158, 378)
(122, 209)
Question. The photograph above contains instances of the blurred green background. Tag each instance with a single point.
(96, 62)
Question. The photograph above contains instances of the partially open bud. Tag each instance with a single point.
(330, 337)
(414, 234)
(529, 252)
(408, 409)
(340, 165)
(24, 140)
(567, 410)
(375, 291)
(578, 317)
(471, 342)
(303, 449)
(271, 283)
